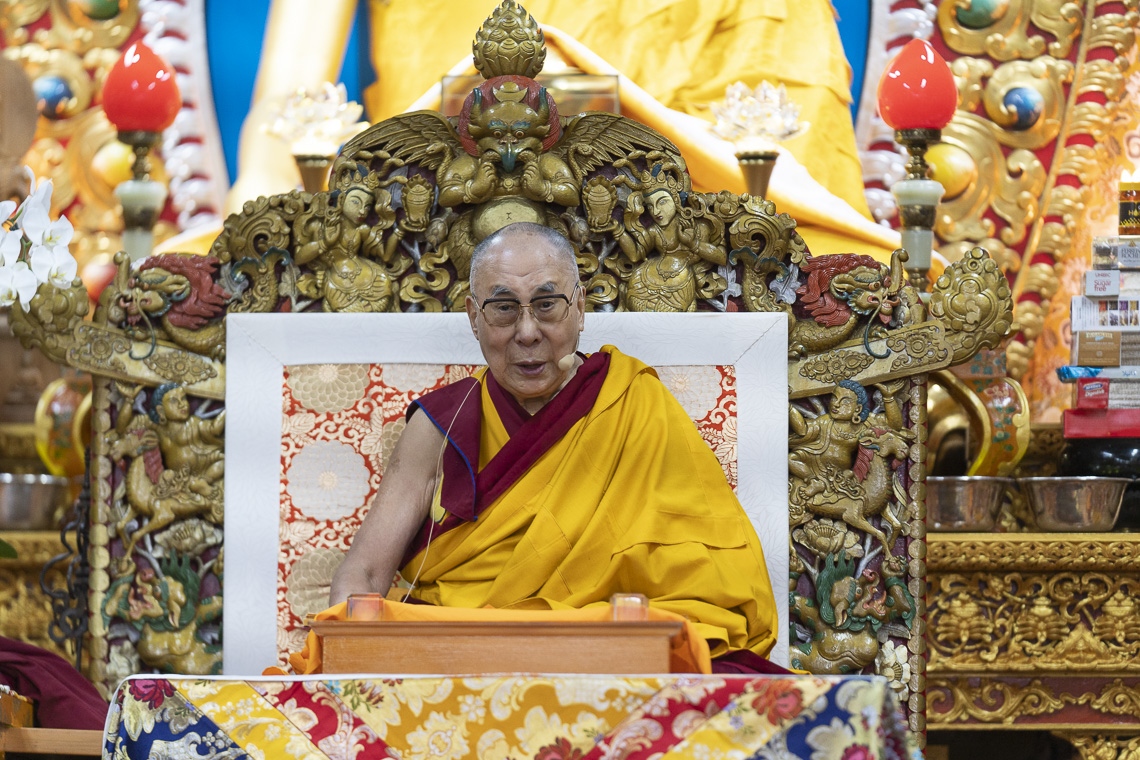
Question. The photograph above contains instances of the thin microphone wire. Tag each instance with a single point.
(439, 485)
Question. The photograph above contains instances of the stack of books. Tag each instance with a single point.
(1105, 369)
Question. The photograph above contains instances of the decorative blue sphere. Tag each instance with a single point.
(981, 13)
(52, 95)
(1026, 104)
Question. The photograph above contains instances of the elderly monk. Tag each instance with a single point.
(555, 480)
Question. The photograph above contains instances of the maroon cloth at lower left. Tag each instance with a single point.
(747, 662)
(62, 697)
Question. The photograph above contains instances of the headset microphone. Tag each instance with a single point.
(566, 363)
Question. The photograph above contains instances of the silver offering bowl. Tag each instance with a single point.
(1076, 504)
(967, 503)
(29, 501)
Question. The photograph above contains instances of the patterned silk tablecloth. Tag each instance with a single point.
(501, 717)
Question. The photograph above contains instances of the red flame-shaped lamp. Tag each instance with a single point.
(141, 98)
(917, 98)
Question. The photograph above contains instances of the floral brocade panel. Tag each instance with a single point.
(567, 718)
(339, 426)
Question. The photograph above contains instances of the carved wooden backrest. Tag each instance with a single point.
(409, 199)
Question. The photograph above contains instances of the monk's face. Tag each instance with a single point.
(524, 356)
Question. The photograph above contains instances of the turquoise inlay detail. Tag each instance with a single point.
(981, 13)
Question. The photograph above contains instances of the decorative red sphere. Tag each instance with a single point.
(140, 92)
(917, 90)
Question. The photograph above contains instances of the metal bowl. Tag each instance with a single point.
(964, 503)
(1075, 503)
(29, 502)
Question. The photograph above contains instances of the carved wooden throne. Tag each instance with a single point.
(409, 199)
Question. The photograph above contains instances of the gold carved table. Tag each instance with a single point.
(1037, 631)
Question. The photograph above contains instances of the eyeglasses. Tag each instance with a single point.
(504, 312)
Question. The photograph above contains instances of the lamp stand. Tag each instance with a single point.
(141, 197)
(314, 172)
(757, 167)
(917, 197)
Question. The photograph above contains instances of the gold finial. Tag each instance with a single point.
(509, 42)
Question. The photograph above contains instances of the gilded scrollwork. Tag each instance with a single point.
(1110, 553)
(1024, 100)
(1025, 622)
(835, 366)
(1101, 747)
(1011, 30)
(1031, 701)
(917, 349)
(972, 298)
(953, 701)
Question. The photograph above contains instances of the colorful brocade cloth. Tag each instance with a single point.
(500, 717)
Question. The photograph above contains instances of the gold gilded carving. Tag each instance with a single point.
(1035, 553)
(686, 239)
(37, 60)
(1010, 184)
(73, 29)
(509, 42)
(1009, 35)
(917, 349)
(347, 254)
(106, 351)
(20, 13)
(50, 320)
(972, 299)
(180, 366)
(970, 75)
(1105, 747)
(834, 366)
(25, 612)
(990, 700)
(952, 701)
(934, 356)
(840, 460)
(176, 463)
(1046, 76)
(1114, 30)
(263, 225)
(1024, 622)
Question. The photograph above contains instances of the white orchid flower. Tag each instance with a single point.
(54, 265)
(39, 195)
(17, 283)
(6, 209)
(11, 241)
(40, 230)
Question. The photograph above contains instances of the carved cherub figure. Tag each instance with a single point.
(178, 465)
(839, 462)
(669, 281)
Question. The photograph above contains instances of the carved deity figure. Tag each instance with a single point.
(178, 466)
(840, 460)
(667, 282)
(346, 275)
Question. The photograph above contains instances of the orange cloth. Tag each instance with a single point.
(689, 653)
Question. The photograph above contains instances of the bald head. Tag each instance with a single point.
(526, 235)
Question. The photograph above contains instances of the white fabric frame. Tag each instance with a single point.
(260, 346)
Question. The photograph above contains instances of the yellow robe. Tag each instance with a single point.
(630, 500)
